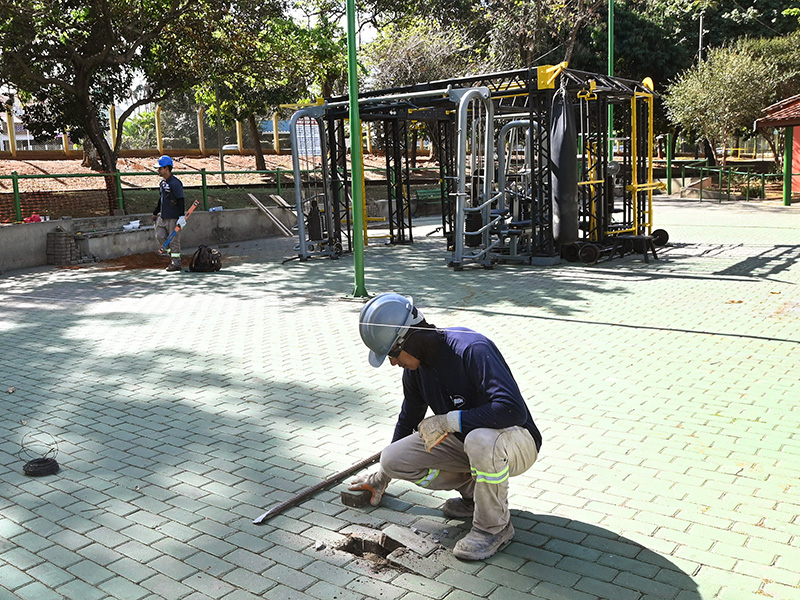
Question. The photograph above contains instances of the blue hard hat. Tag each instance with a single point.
(165, 161)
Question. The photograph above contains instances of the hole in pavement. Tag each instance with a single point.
(372, 550)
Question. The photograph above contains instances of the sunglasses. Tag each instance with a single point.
(399, 344)
(396, 349)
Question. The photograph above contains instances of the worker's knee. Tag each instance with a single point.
(393, 461)
(487, 449)
(481, 443)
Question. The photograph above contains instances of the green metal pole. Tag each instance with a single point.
(701, 184)
(787, 166)
(729, 184)
(611, 74)
(17, 203)
(669, 164)
(278, 178)
(205, 189)
(120, 199)
(357, 170)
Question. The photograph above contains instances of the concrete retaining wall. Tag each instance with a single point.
(24, 245)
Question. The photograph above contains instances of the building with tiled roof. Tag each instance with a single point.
(786, 114)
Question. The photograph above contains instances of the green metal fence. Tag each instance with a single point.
(227, 189)
(732, 183)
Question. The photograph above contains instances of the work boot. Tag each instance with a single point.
(173, 267)
(459, 508)
(479, 545)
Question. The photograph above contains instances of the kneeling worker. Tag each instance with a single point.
(480, 435)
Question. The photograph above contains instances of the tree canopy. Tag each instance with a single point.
(244, 58)
(71, 62)
(720, 97)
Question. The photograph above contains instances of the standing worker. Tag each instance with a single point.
(169, 212)
(481, 432)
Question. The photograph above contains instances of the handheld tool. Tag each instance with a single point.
(310, 491)
(163, 249)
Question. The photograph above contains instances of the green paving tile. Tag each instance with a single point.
(667, 445)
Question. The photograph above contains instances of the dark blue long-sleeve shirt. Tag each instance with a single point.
(469, 375)
(170, 199)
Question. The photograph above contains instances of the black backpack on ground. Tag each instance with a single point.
(206, 259)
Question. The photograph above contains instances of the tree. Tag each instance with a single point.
(722, 96)
(417, 51)
(140, 131)
(278, 71)
(71, 61)
(74, 60)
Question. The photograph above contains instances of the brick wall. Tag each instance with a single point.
(78, 203)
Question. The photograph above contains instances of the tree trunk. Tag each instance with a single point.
(108, 158)
(91, 160)
(673, 142)
(261, 164)
(711, 157)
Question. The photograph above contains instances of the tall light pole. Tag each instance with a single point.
(700, 44)
(356, 160)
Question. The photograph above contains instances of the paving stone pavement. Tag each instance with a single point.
(182, 406)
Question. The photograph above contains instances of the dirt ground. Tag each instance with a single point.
(183, 164)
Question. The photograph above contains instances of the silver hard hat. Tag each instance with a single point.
(383, 321)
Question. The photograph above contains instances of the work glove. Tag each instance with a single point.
(434, 429)
(181, 221)
(376, 482)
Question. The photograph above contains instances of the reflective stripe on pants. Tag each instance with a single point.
(479, 468)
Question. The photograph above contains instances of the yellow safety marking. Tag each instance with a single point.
(494, 478)
(428, 479)
(546, 75)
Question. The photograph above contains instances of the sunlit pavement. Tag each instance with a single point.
(183, 406)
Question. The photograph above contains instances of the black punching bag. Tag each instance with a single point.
(314, 223)
(564, 168)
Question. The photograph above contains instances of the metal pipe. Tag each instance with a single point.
(464, 98)
(298, 192)
(501, 155)
(311, 490)
(440, 92)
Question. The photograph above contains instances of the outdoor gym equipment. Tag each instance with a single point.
(319, 233)
(526, 168)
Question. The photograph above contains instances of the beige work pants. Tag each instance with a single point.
(478, 468)
(164, 227)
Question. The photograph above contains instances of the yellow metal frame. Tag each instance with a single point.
(546, 75)
(649, 185)
(591, 157)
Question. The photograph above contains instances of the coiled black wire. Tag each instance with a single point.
(43, 465)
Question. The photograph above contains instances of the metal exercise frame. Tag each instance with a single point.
(492, 136)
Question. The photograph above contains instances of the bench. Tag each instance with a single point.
(425, 197)
(634, 244)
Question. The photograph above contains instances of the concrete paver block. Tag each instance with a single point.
(408, 538)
